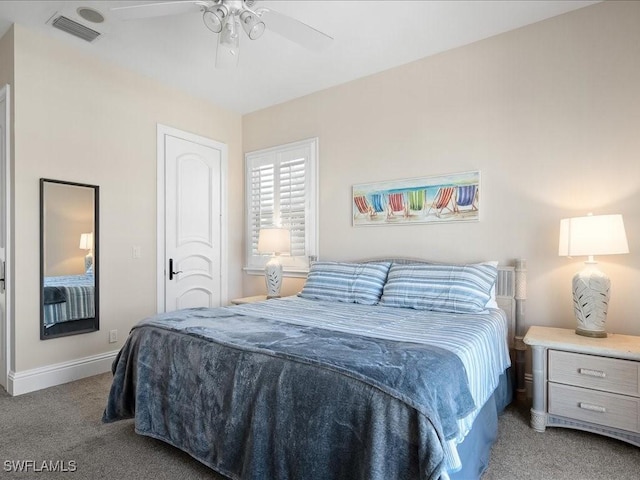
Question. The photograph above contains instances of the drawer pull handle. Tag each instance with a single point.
(592, 373)
(592, 408)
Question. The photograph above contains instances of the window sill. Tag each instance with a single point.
(287, 272)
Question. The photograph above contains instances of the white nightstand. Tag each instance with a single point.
(243, 300)
(591, 384)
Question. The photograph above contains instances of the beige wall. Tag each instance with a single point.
(83, 120)
(549, 113)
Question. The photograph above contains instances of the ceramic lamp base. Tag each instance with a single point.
(591, 292)
(590, 333)
(88, 262)
(273, 277)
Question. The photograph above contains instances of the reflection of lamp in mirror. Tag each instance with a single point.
(589, 236)
(274, 241)
(86, 243)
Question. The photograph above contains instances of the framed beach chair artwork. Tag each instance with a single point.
(444, 201)
(397, 205)
(444, 198)
(378, 203)
(466, 196)
(362, 204)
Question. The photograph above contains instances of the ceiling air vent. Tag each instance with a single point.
(74, 28)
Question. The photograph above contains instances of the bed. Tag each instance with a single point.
(377, 370)
(67, 298)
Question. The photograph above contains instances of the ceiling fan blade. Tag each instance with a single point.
(159, 9)
(294, 30)
(226, 58)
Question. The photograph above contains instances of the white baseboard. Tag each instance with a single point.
(59, 373)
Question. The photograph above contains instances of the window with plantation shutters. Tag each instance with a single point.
(281, 191)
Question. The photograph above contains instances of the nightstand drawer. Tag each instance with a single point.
(607, 409)
(607, 374)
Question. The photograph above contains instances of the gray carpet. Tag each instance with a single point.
(63, 423)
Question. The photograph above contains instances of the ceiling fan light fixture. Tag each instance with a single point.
(252, 24)
(228, 51)
(214, 17)
(229, 37)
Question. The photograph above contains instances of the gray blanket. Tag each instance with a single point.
(260, 399)
(54, 295)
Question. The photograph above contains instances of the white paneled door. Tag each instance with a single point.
(194, 263)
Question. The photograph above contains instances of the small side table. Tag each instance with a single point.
(243, 300)
(590, 384)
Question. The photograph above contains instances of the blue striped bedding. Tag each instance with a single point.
(77, 293)
(479, 339)
(346, 282)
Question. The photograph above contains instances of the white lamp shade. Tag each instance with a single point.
(274, 240)
(253, 26)
(592, 235)
(86, 241)
(213, 17)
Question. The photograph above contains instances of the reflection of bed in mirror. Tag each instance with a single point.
(67, 298)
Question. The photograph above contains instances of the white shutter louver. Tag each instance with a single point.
(292, 203)
(262, 201)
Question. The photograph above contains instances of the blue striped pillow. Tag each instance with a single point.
(346, 282)
(441, 288)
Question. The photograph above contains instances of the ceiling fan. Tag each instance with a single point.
(225, 17)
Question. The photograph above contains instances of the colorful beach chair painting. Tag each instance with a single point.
(369, 206)
(444, 200)
(378, 203)
(396, 205)
(467, 196)
(363, 205)
(417, 200)
(453, 197)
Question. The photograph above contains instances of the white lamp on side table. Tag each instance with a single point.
(274, 241)
(592, 235)
(86, 243)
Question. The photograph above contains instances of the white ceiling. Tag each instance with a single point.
(369, 36)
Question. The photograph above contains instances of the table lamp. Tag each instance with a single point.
(274, 241)
(592, 235)
(86, 243)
